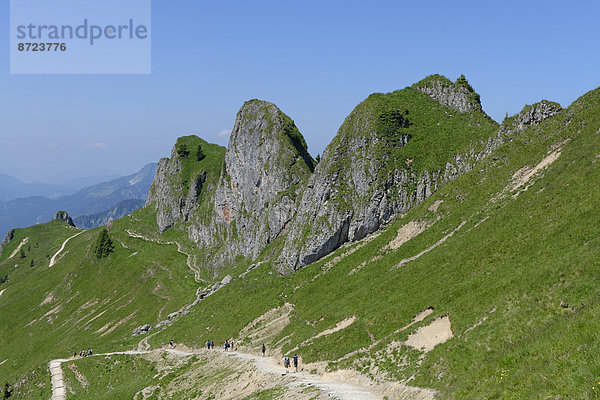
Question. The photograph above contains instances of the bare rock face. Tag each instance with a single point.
(237, 203)
(349, 195)
(266, 165)
(355, 189)
(530, 115)
(63, 216)
(458, 95)
(9, 236)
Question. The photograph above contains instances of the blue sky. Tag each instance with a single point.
(315, 60)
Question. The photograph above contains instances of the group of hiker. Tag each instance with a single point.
(83, 353)
(229, 345)
(286, 362)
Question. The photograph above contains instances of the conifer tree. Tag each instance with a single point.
(104, 245)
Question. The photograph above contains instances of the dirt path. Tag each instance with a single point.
(331, 388)
(23, 242)
(53, 259)
(59, 391)
(179, 249)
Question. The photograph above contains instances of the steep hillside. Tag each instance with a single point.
(59, 297)
(479, 281)
(502, 264)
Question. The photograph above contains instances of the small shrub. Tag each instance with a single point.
(183, 151)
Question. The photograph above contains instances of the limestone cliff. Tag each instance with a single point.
(266, 165)
(458, 95)
(248, 196)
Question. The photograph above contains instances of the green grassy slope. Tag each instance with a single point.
(518, 280)
(83, 302)
(525, 266)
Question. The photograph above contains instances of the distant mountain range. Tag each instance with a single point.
(101, 201)
(12, 188)
(123, 208)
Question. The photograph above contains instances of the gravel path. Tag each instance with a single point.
(53, 259)
(334, 390)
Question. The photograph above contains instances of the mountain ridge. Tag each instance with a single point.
(389, 154)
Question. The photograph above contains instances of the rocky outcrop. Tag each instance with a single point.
(458, 95)
(141, 330)
(266, 165)
(9, 236)
(181, 180)
(63, 216)
(350, 193)
(530, 115)
(254, 196)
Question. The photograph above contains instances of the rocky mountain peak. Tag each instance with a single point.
(266, 155)
(63, 216)
(458, 95)
(266, 163)
(247, 193)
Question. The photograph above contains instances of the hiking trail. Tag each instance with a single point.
(53, 259)
(327, 385)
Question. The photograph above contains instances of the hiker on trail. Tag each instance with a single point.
(232, 346)
(286, 362)
(172, 343)
(90, 352)
(208, 344)
(227, 345)
(263, 349)
(212, 345)
(74, 353)
(296, 362)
